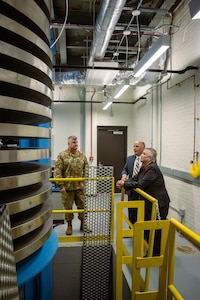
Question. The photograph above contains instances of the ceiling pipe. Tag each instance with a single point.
(120, 27)
(104, 27)
(189, 68)
(100, 102)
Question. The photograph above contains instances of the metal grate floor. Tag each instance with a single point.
(96, 259)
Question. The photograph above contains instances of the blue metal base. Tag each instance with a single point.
(34, 274)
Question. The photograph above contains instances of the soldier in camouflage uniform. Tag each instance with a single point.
(71, 163)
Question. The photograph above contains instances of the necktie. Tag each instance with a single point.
(137, 166)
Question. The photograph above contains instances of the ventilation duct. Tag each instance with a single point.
(73, 77)
(101, 77)
(105, 24)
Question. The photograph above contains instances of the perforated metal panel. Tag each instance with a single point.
(8, 280)
(96, 263)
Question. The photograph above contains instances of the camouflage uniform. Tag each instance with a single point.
(70, 164)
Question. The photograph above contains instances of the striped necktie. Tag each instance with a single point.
(137, 166)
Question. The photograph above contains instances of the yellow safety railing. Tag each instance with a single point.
(136, 260)
(153, 200)
(123, 256)
(176, 226)
(61, 211)
(154, 215)
(140, 284)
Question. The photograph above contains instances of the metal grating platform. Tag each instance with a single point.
(8, 279)
(96, 262)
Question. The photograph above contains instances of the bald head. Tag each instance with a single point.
(138, 147)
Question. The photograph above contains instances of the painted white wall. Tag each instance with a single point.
(66, 122)
(180, 131)
(164, 120)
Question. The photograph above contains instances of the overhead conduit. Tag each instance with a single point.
(105, 24)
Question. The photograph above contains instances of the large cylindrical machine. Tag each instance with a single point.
(25, 116)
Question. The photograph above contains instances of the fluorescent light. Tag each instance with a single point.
(121, 88)
(107, 104)
(160, 46)
(194, 7)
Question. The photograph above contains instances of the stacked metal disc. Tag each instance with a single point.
(25, 116)
(8, 279)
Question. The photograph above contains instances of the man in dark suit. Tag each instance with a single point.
(151, 181)
(129, 170)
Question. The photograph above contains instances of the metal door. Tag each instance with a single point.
(112, 148)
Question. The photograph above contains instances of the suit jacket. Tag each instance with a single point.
(128, 167)
(128, 170)
(151, 181)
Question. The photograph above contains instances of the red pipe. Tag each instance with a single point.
(91, 158)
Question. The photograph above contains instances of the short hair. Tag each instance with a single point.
(72, 137)
(152, 154)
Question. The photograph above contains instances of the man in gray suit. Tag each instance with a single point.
(151, 181)
(130, 169)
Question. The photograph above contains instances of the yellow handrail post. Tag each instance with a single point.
(122, 194)
(119, 251)
(112, 210)
(171, 254)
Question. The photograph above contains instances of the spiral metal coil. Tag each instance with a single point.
(25, 115)
(8, 278)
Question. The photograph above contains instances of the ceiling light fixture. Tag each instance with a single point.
(116, 54)
(136, 12)
(160, 46)
(126, 32)
(194, 7)
(121, 88)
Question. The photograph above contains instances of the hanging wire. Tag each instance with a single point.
(64, 24)
(126, 38)
(175, 27)
(139, 40)
(127, 28)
